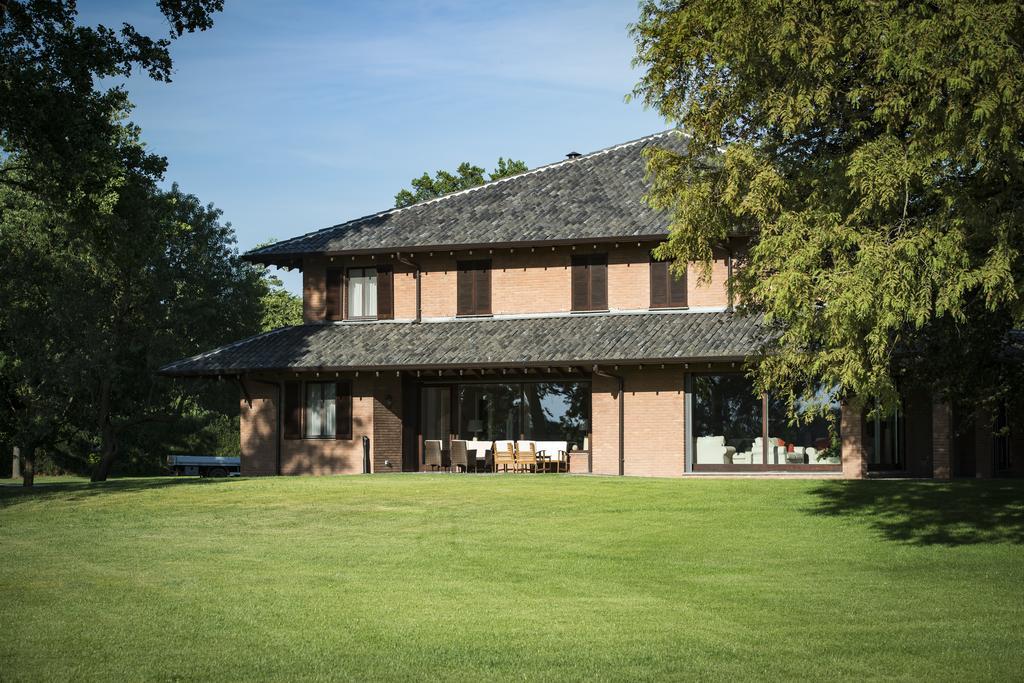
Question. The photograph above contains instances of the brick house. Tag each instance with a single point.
(531, 308)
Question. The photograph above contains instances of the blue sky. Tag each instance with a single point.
(294, 116)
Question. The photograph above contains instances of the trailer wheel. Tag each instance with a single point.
(216, 472)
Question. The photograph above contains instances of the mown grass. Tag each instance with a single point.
(507, 577)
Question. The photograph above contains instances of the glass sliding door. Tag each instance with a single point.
(536, 411)
(435, 416)
(727, 420)
(729, 423)
(808, 440)
(885, 441)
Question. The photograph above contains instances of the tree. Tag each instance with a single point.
(465, 177)
(872, 153)
(53, 115)
(280, 308)
(93, 312)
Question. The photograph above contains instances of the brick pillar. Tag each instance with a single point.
(386, 454)
(851, 427)
(942, 440)
(983, 464)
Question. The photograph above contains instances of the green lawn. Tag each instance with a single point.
(499, 577)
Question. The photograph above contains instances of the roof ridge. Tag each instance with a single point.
(488, 184)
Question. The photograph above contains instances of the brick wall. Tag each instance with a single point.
(313, 289)
(653, 420)
(604, 425)
(259, 431)
(333, 456)
(523, 280)
(942, 440)
(714, 293)
(854, 457)
(654, 416)
(386, 453)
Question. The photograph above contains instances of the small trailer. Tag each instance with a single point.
(204, 465)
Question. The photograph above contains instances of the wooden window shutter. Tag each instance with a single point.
(385, 293)
(334, 284)
(482, 288)
(676, 289)
(659, 284)
(598, 282)
(292, 410)
(343, 410)
(464, 284)
(580, 283)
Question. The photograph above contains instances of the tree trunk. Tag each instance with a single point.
(108, 439)
(108, 450)
(16, 464)
(28, 467)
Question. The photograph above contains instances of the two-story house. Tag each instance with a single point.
(531, 308)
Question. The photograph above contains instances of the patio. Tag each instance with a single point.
(504, 455)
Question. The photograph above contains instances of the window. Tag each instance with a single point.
(731, 428)
(318, 410)
(727, 420)
(540, 411)
(667, 290)
(590, 282)
(362, 293)
(474, 288)
(809, 441)
(321, 399)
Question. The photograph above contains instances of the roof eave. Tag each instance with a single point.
(428, 367)
(295, 257)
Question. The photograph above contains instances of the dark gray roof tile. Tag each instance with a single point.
(595, 196)
(485, 342)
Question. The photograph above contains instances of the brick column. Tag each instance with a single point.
(983, 465)
(386, 447)
(942, 440)
(851, 427)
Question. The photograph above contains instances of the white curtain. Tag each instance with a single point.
(313, 423)
(362, 293)
(330, 395)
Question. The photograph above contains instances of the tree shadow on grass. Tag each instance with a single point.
(930, 513)
(78, 490)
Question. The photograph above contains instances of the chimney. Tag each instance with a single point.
(573, 155)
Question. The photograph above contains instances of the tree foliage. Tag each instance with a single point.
(105, 277)
(465, 177)
(53, 115)
(872, 155)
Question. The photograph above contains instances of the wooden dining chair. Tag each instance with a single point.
(526, 456)
(504, 455)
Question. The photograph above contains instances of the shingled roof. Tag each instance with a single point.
(597, 196)
(481, 343)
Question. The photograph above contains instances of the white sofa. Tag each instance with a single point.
(711, 450)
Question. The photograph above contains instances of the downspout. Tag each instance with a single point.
(278, 426)
(622, 416)
(416, 274)
(728, 282)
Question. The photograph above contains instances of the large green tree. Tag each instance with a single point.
(54, 114)
(466, 176)
(873, 155)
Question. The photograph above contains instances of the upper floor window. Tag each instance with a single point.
(667, 289)
(474, 288)
(590, 282)
(363, 293)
